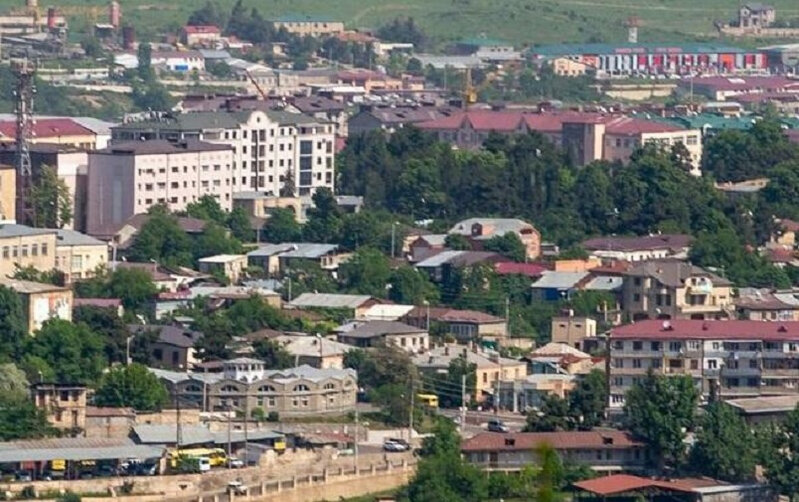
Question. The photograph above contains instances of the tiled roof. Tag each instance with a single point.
(574, 440)
(685, 329)
(329, 300)
(629, 126)
(763, 83)
(170, 335)
(48, 128)
(201, 29)
(645, 242)
(444, 314)
(372, 329)
(528, 269)
(673, 273)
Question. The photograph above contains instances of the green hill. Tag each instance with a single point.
(520, 21)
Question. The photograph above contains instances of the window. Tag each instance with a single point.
(24, 250)
(753, 363)
(675, 346)
(228, 389)
(694, 364)
(693, 345)
(638, 345)
(655, 346)
(637, 363)
(712, 364)
(618, 345)
(636, 297)
(5, 252)
(301, 388)
(618, 381)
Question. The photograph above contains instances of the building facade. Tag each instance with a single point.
(27, 247)
(308, 25)
(64, 405)
(737, 358)
(79, 256)
(245, 385)
(670, 289)
(129, 178)
(41, 302)
(270, 148)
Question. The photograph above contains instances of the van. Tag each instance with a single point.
(204, 464)
(497, 425)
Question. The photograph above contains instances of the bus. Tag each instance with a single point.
(428, 400)
(216, 456)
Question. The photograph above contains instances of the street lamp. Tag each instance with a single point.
(393, 237)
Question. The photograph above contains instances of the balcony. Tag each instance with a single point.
(649, 354)
(632, 371)
(740, 372)
(783, 372)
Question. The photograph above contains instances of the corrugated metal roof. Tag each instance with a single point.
(167, 434)
(559, 280)
(67, 237)
(42, 450)
(309, 251)
(14, 230)
(439, 259)
(329, 300)
(604, 283)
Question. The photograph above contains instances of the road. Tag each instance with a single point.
(476, 421)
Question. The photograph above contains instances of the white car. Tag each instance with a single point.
(396, 445)
(235, 462)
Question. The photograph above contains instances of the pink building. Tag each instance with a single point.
(129, 178)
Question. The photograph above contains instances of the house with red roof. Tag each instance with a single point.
(606, 450)
(464, 325)
(58, 131)
(736, 358)
(628, 487)
(192, 35)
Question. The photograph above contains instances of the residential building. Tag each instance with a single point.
(124, 234)
(390, 118)
(756, 15)
(79, 256)
(562, 359)
(174, 348)
(315, 351)
(389, 312)
(655, 59)
(192, 35)
(625, 487)
(27, 247)
(61, 131)
(605, 450)
(324, 109)
(787, 233)
(525, 394)
(626, 135)
(567, 67)
(41, 302)
(128, 178)
(307, 25)
(245, 385)
(577, 332)
(425, 246)
(229, 266)
(766, 305)
(479, 230)
(764, 409)
(365, 334)
(277, 259)
(721, 88)
(63, 404)
(490, 367)
(737, 358)
(464, 325)
(356, 305)
(440, 266)
(634, 249)
(8, 192)
(555, 286)
(269, 147)
(108, 422)
(668, 289)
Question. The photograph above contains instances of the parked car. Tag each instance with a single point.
(497, 425)
(395, 445)
(235, 462)
(236, 488)
(24, 476)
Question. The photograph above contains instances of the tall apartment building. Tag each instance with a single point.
(739, 358)
(128, 178)
(269, 147)
(670, 289)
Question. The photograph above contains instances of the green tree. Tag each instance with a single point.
(550, 474)
(588, 399)
(457, 242)
(21, 419)
(161, 239)
(132, 385)
(274, 355)
(282, 227)
(207, 208)
(215, 240)
(145, 68)
(31, 273)
(50, 202)
(324, 218)
(13, 327)
(73, 351)
(114, 332)
(240, 225)
(367, 272)
(553, 416)
(13, 381)
(724, 447)
(659, 410)
(135, 287)
(209, 14)
(411, 287)
(779, 454)
(508, 245)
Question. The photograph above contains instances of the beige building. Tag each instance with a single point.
(567, 67)
(573, 331)
(64, 405)
(482, 229)
(230, 266)
(490, 368)
(41, 302)
(463, 325)
(669, 289)
(308, 25)
(245, 385)
(8, 192)
(27, 247)
(625, 135)
(315, 351)
(365, 334)
(79, 256)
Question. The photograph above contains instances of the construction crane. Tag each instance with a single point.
(257, 86)
(469, 92)
(24, 89)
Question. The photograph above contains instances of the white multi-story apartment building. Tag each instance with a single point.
(269, 147)
(738, 358)
(129, 178)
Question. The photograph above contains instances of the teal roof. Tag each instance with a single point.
(484, 42)
(303, 18)
(712, 121)
(691, 48)
(790, 122)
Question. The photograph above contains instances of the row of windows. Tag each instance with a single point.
(23, 250)
(176, 200)
(695, 345)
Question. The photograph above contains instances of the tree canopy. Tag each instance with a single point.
(132, 385)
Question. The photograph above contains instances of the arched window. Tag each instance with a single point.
(229, 389)
(301, 388)
(266, 388)
(329, 386)
(192, 388)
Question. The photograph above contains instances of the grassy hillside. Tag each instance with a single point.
(521, 21)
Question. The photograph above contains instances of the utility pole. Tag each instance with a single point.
(393, 238)
(463, 402)
(178, 427)
(410, 415)
(507, 317)
(246, 421)
(357, 429)
(229, 442)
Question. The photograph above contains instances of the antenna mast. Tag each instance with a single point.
(24, 90)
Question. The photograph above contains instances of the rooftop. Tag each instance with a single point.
(441, 357)
(764, 404)
(30, 287)
(559, 280)
(373, 329)
(490, 227)
(641, 243)
(628, 48)
(42, 450)
(329, 300)
(674, 273)
(170, 335)
(8, 230)
(222, 258)
(161, 147)
(48, 128)
(66, 237)
(684, 329)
